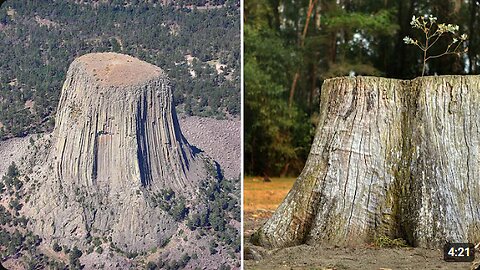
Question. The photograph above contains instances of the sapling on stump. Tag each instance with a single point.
(391, 159)
(432, 32)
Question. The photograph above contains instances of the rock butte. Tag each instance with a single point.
(116, 145)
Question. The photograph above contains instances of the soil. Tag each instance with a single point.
(114, 69)
(13, 150)
(325, 257)
(219, 139)
(339, 258)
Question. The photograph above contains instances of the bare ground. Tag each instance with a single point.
(339, 258)
(219, 139)
(13, 150)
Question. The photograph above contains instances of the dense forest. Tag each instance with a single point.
(291, 47)
(196, 42)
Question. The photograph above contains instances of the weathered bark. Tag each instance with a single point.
(390, 158)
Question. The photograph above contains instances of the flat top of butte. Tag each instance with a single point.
(114, 69)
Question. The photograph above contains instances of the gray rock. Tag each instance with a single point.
(116, 144)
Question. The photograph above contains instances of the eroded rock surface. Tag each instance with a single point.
(117, 144)
(391, 158)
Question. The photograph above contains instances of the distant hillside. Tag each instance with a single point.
(196, 42)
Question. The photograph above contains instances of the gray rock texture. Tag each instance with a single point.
(116, 144)
(13, 150)
(219, 139)
(391, 158)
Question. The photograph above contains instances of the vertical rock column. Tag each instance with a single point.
(116, 145)
(116, 126)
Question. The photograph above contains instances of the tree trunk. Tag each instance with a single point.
(472, 55)
(401, 67)
(313, 87)
(311, 5)
(390, 158)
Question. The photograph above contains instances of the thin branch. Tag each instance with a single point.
(446, 52)
(438, 37)
(440, 55)
(437, 32)
(420, 46)
(458, 45)
(429, 28)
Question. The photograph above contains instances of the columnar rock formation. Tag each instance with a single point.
(390, 158)
(116, 145)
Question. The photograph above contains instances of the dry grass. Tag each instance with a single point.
(260, 195)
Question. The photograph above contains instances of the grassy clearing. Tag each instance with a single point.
(260, 195)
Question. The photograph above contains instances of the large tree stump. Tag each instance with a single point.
(390, 158)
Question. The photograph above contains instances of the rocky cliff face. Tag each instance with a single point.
(117, 145)
(391, 158)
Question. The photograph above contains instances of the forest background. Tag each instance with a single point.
(291, 47)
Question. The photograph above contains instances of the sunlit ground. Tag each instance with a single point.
(265, 196)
